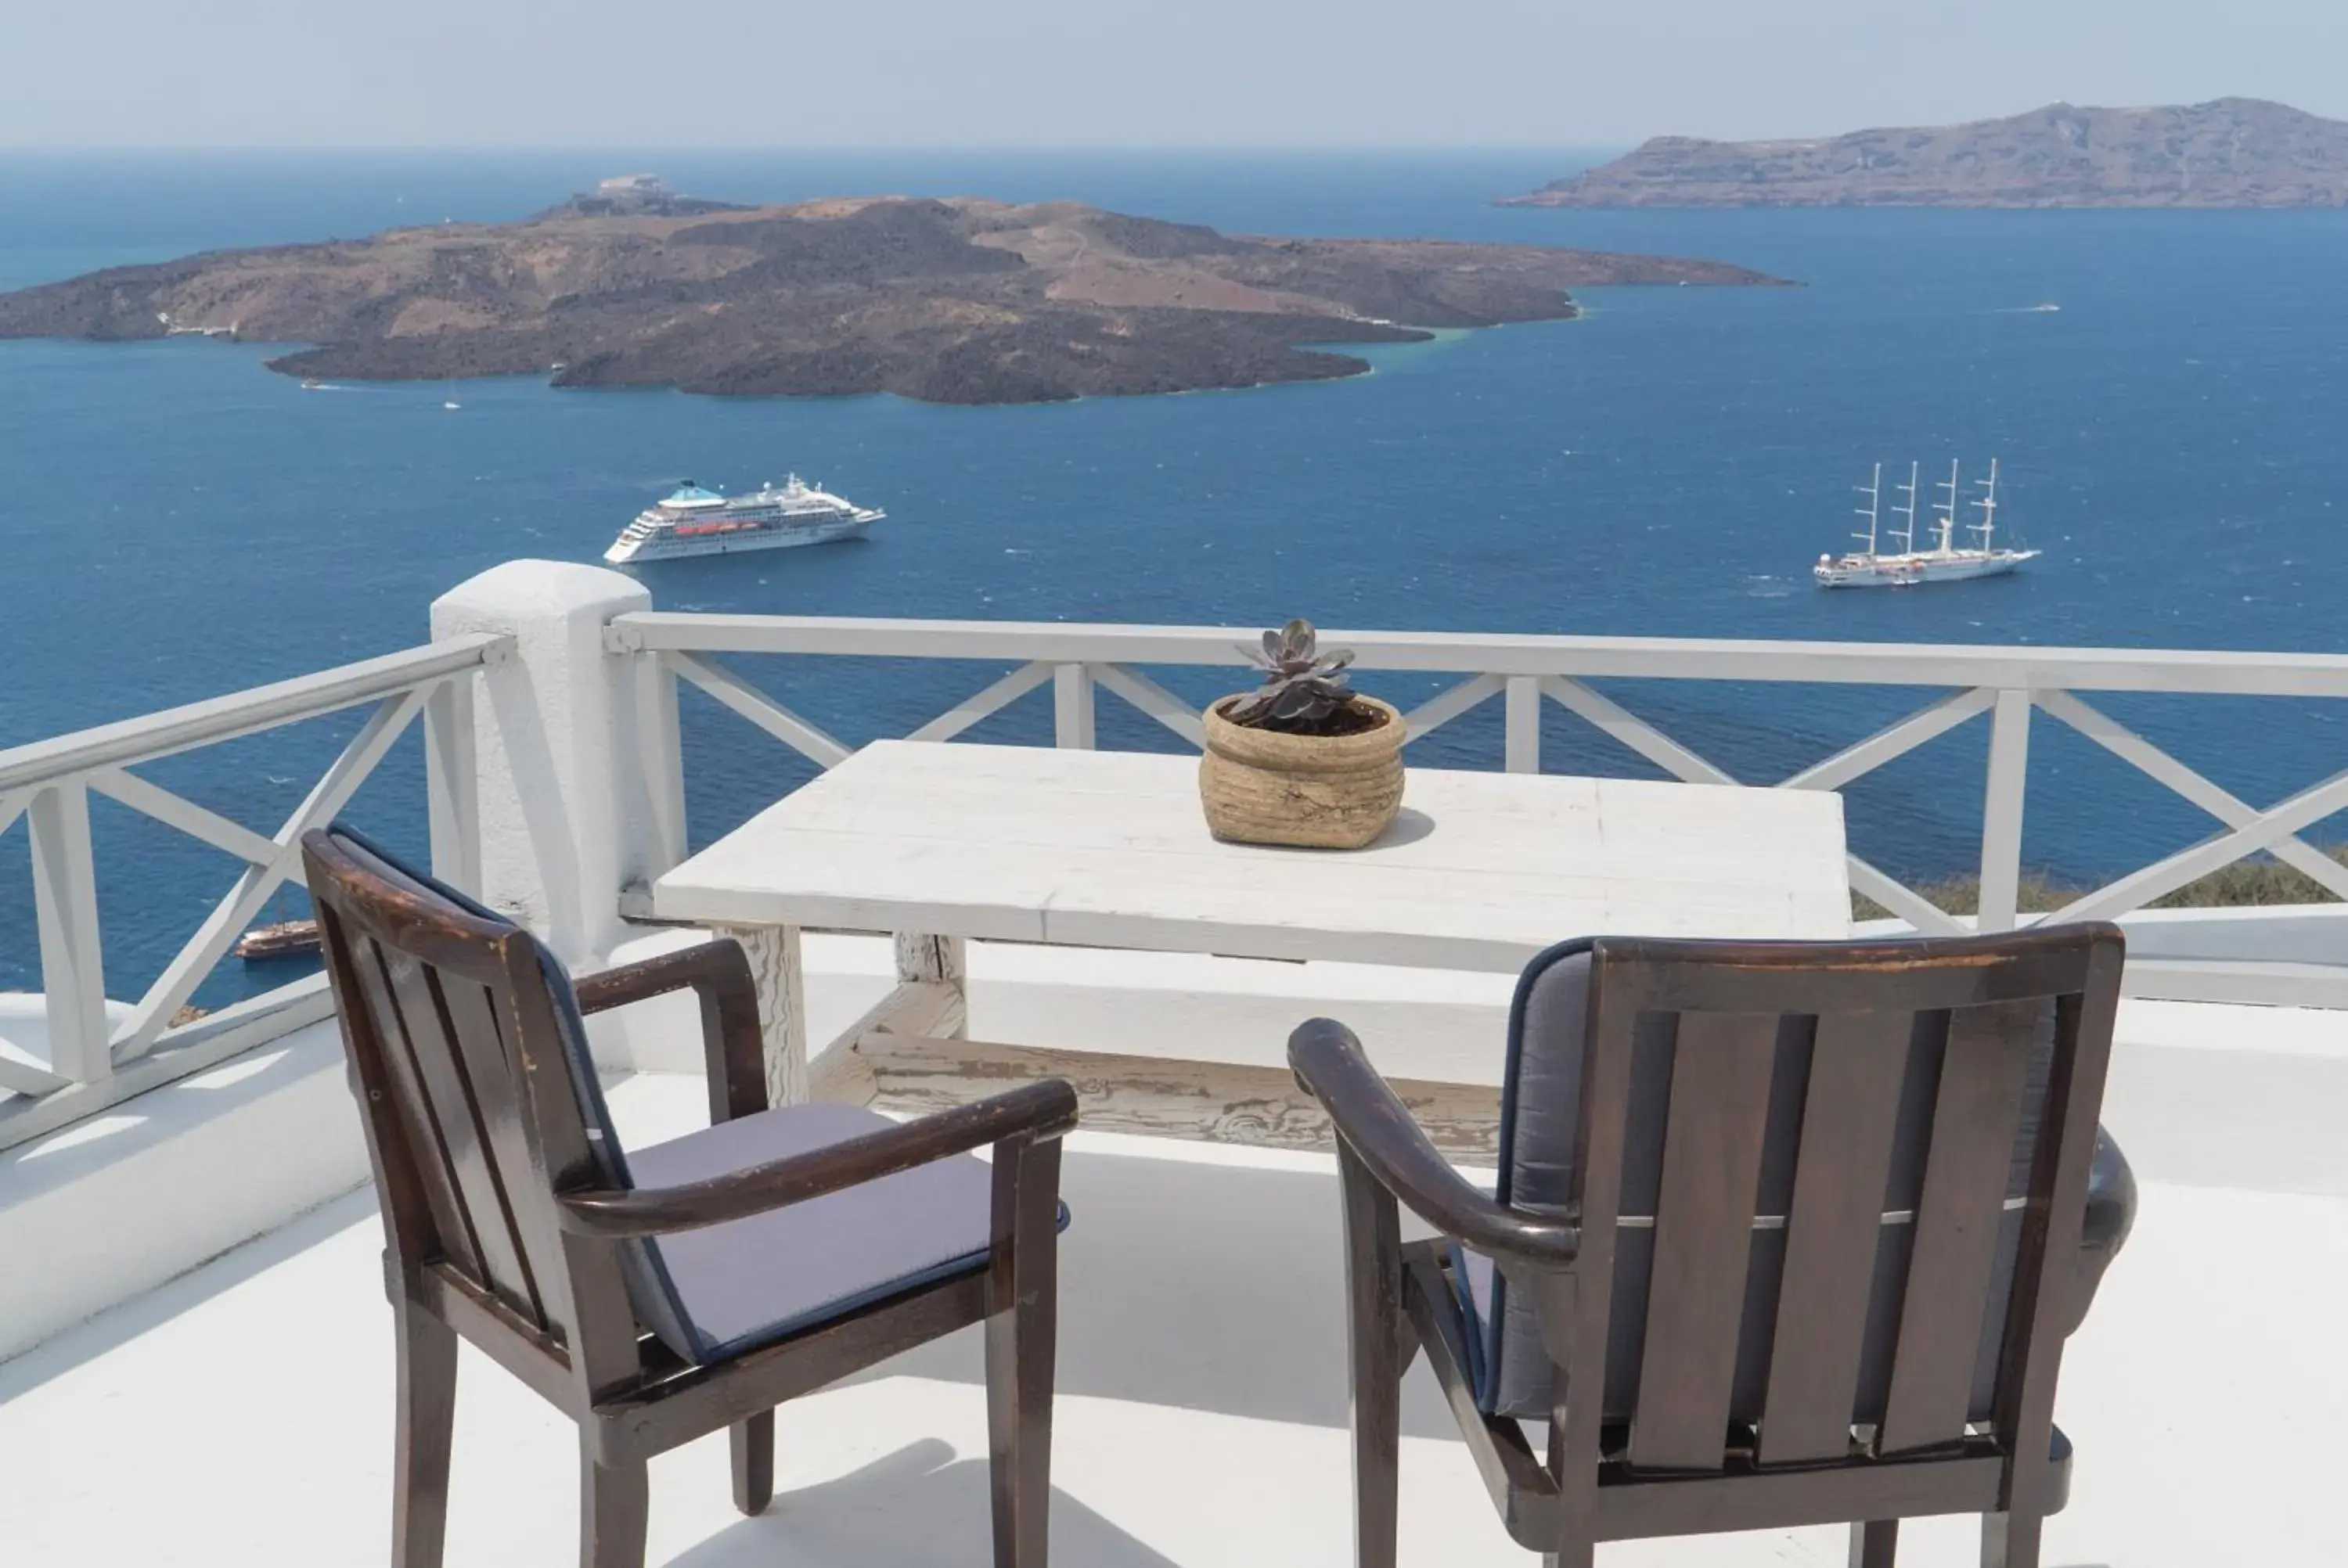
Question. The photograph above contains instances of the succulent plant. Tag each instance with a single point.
(1301, 685)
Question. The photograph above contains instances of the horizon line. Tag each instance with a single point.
(805, 150)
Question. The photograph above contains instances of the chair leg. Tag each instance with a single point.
(1021, 1331)
(753, 1442)
(1373, 1346)
(2011, 1540)
(426, 1355)
(1874, 1543)
(615, 1507)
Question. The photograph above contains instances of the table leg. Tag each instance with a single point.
(774, 955)
(932, 961)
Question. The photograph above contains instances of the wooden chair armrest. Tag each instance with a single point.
(718, 973)
(1029, 1114)
(1330, 1067)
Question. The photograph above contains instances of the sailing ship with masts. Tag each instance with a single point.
(1872, 567)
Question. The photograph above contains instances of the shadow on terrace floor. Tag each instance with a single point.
(916, 1508)
(1169, 1291)
(1202, 1284)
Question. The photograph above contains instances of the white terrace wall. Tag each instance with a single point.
(119, 1202)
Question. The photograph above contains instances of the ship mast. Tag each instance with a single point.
(1906, 535)
(1947, 508)
(1872, 511)
(1988, 504)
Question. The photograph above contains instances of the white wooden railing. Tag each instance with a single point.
(94, 1062)
(96, 1059)
(2005, 684)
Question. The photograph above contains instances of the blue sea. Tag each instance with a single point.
(176, 521)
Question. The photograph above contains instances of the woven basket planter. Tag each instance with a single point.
(1316, 792)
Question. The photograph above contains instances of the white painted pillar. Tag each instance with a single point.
(1072, 707)
(567, 818)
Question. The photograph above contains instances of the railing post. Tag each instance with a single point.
(1522, 745)
(452, 783)
(1072, 707)
(2001, 854)
(65, 906)
(660, 759)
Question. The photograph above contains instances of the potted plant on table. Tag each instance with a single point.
(1304, 760)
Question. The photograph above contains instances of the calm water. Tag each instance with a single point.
(175, 522)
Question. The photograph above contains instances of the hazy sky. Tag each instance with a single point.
(1001, 73)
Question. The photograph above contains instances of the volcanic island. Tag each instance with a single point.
(959, 301)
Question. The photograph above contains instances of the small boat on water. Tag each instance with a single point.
(696, 521)
(279, 940)
(1908, 565)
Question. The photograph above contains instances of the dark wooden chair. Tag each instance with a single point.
(660, 1293)
(1785, 1234)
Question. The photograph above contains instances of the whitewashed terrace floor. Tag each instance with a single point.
(241, 1415)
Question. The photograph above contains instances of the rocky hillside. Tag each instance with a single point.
(958, 302)
(2234, 152)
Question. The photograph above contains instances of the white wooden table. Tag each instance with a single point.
(941, 842)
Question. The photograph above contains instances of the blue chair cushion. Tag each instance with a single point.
(1540, 1116)
(752, 1281)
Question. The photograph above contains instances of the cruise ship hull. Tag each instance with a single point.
(670, 547)
(1907, 571)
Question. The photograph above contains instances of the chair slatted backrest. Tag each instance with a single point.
(1819, 1186)
(473, 1121)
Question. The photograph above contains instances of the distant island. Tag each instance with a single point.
(2233, 152)
(962, 301)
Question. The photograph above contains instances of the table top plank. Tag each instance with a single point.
(1109, 849)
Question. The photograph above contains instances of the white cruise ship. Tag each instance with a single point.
(1908, 565)
(695, 521)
